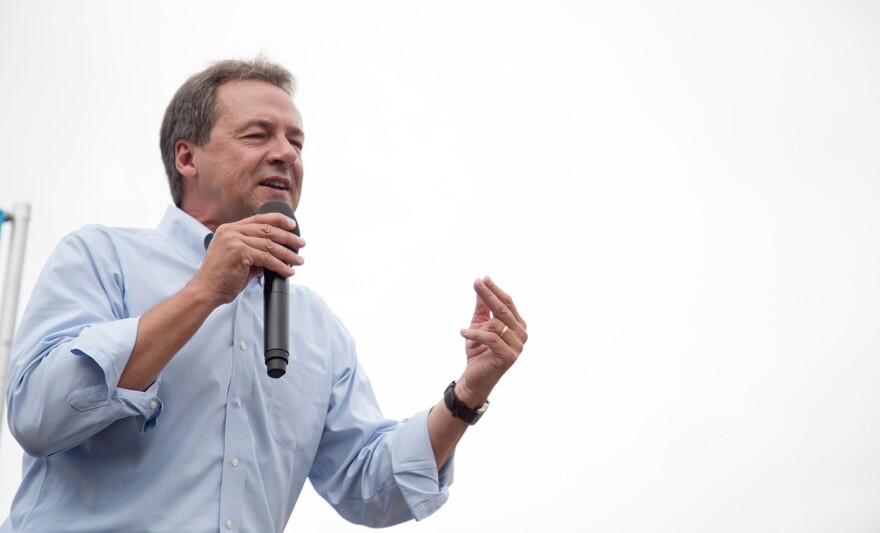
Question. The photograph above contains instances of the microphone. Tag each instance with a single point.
(276, 306)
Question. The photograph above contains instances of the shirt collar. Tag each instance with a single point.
(185, 234)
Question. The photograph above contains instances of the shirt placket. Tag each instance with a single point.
(236, 453)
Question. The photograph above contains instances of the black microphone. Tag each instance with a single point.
(276, 306)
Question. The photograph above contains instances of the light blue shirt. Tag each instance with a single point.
(214, 444)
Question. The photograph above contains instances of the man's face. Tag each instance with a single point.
(253, 155)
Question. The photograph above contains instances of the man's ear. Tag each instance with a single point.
(184, 158)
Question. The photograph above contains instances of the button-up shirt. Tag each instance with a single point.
(213, 444)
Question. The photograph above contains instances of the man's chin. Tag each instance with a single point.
(263, 199)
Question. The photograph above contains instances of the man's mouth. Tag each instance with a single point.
(277, 184)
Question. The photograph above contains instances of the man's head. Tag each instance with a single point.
(231, 139)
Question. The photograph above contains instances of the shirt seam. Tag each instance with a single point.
(43, 472)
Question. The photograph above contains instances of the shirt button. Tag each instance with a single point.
(243, 345)
(238, 404)
(235, 461)
(154, 404)
(229, 524)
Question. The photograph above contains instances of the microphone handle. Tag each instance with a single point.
(276, 304)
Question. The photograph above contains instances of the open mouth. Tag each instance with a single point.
(278, 185)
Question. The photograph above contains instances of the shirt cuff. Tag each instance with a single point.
(147, 404)
(110, 345)
(423, 488)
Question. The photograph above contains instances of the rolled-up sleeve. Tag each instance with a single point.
(73, 342)
(374, 471)
(415, 471)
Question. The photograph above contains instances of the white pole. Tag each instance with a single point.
(21, 215)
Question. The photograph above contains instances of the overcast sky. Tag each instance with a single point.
(682, 197)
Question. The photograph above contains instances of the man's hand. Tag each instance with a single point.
(238, 252)
(241, 250)
(495, 340)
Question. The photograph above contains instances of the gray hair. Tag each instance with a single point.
(192, 112)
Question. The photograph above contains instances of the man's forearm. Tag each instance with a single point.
(162, 332)
(445, 430)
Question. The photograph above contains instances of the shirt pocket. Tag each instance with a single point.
(297, 407)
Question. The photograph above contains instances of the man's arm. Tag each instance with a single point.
(237, 254)
(80, 361)
(495, 340)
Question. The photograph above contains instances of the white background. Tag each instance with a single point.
(683, 197)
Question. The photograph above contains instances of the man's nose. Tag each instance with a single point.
(283, 152)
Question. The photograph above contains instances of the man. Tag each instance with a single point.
(137, 385)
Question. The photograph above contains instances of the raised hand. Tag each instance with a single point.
(495, 340)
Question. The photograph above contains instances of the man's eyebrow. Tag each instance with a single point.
(265, 124)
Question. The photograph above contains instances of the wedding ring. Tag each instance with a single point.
(503, 331)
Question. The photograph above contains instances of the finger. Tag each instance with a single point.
(499, 309)
(257, 259)
(268, 245)
(272, 263)
(505, 298)
(492, 341)
(481, 312)
(274, 219)
(476, 348)
(506, 334)
(263, 236)
(254, 253)
(272, 225)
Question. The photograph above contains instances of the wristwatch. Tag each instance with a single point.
(460, 410)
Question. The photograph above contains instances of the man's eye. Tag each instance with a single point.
(294, 142)
(255, 136)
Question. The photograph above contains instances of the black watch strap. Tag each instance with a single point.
(460, 410)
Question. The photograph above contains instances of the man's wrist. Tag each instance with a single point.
(460, 409)
(200, 296)
(468, 396)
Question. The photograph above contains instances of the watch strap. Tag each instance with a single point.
(459, 409)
